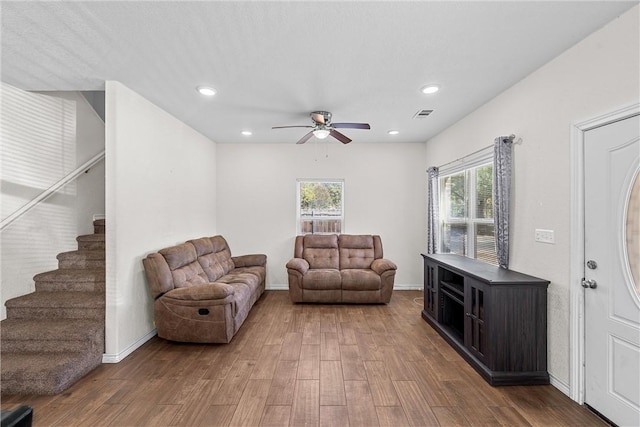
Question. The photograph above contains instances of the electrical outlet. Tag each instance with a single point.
(544, 236)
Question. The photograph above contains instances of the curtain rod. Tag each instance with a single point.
(512, 136)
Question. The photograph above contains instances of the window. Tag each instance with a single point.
(320, 206)
(466, 212)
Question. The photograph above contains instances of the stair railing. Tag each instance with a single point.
(71, 176)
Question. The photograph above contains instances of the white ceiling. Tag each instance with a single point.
(273, 63)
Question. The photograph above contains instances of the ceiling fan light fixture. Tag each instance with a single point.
(429, 89)
(246, 133)
(206, 90)
(393, 132)
(321, 133)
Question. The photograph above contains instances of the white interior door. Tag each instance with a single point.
(612, 258)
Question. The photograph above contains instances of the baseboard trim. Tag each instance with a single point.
(116, 358)
(560, 385)
(278, 287)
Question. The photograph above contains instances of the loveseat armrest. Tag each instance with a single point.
(381, 265)
(299, 264)
(252, 260)
(207, 292)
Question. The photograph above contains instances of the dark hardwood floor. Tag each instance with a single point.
(315, 365)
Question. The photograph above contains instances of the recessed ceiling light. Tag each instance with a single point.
(393, 132)
(246, 133)
(206, 90)
(429, 89)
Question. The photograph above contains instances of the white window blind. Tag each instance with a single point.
(466, 208)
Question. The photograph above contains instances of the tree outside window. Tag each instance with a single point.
(320, 206)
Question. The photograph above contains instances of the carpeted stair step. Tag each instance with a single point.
(51, 336)
(57, 305)
(45, 373)
(91, 242)
(82, 259)
(92, 280)
(99, 226)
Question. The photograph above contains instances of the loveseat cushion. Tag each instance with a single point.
(356, 251)
(185, 268)
(360, 279)
(321, 251)
(321, 279)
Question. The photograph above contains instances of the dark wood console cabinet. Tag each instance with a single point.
(495, 318)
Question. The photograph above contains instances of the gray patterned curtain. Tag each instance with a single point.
(502, 196)
(433, 211)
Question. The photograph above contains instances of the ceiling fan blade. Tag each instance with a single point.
(351, 125)
(295, 126)
(318, 118)
(340, 137)
(305, 138)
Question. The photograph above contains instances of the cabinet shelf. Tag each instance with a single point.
(457, 288)
(501, 304)
(454, 296)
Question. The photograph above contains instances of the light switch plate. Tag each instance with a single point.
(544, 236)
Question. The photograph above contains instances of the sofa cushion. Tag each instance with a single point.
(321, 279)
(360, 279)
(214, 256)
(259, 272)
(209, 291)
(179, 256)
(247, 278)
(189, 275)
(321, 251)
(185, 268)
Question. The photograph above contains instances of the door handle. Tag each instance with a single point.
(591, 284)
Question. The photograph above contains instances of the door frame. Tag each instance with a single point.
(576, 292)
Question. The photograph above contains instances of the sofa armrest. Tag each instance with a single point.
(381, 265)
(158, 274)
(298, 264)
(206, 292)
(252, 260)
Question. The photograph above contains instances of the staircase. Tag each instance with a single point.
(54, 336)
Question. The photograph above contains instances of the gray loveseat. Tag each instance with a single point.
(203, 294)
(340, 269)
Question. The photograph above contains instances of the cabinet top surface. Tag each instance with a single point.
(482, 271)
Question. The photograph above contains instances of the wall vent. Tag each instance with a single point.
(422, 114)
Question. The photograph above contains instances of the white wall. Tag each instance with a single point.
(598, 75)
(45, 137)
(385, 186)
(160, 191)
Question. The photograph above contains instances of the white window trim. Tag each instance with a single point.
(476, 159)
(319, 217)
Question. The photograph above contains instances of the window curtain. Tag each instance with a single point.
(502, 150)
(433, 211)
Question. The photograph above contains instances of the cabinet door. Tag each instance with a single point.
(475, 328)
(431, 289)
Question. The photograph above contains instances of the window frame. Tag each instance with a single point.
(299, 218)
(468, 167)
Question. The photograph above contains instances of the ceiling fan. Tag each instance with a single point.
(322, 128)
